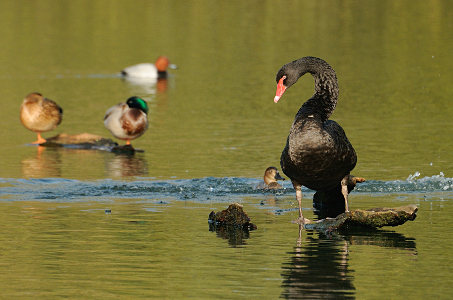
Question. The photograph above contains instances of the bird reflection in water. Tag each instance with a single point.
(146, 86)
(149, 77)
(318, 269)
(319, 264)
(125, 165)
(154, 91)
(46, 163)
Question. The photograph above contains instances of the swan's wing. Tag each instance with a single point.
(344, 150)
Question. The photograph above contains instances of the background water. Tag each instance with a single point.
(92, 224)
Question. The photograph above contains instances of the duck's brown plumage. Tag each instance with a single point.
(40, 114)
(271, 175)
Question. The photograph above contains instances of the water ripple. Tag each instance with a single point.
(198, 189)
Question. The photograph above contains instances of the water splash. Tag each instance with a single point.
(413, 177)
(413, 184)
(198, 189)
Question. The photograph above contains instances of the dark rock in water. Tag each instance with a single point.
(88, 141)
(371, 218)
(233, 216)
(124, 149)
(232, 224)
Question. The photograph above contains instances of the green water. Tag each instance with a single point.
(215, 117)
(392, 60)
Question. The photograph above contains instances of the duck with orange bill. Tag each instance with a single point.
(150, 71)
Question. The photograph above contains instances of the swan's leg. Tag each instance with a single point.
(344, 191)
(299, 199)
(298, 189)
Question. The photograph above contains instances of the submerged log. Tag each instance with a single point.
(234, 216)
(88, 141)
(371, 218)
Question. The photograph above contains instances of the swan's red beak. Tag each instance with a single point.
(281, 88)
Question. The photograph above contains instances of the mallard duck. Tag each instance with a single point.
(149, 71)
(40, 114)
(317, 154)
(127, 121)
(271, 175)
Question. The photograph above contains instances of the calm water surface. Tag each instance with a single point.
(91, 224)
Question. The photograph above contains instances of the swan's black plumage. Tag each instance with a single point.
(317, 154)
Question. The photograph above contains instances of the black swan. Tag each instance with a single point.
(317, 154)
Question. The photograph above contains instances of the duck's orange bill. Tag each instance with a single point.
(281, 88)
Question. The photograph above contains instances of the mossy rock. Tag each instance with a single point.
(371, 218)
(233, 216)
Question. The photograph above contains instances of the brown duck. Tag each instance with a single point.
(271, 175)
(40, 114)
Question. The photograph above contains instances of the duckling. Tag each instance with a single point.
(127, 121)
(40, 114)
(271, 175)
(157, 70)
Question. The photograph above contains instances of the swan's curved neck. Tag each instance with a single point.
(322, 104)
